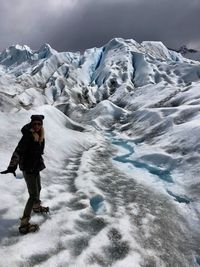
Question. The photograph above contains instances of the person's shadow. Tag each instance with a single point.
(8, 230)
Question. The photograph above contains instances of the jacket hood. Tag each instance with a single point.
(26, 129)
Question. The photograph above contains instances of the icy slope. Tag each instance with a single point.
(126, 193)
(100, 216)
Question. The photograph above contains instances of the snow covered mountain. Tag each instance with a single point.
(122, 155)
(189, 53)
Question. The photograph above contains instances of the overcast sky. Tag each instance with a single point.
(71, 25)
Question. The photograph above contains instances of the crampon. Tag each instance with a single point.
(41, 209)
(28, 228)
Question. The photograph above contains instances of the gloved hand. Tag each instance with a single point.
(10, 170)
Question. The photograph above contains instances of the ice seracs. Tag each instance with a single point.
(15, 55)
(45, 51)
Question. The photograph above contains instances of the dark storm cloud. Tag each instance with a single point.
(80, 24)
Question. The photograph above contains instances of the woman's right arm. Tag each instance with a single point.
(19, 151)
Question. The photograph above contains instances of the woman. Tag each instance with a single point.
(28, 154)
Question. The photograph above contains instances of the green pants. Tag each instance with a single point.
(34, 187)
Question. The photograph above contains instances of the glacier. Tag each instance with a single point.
(122, 155)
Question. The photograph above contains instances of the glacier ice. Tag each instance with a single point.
(122, 155)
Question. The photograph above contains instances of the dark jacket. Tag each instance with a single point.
(28, 153)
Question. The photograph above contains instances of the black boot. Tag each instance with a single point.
(26, 227)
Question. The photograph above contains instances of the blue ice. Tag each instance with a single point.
(96, 202)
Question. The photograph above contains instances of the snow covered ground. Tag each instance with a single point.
(122, 155)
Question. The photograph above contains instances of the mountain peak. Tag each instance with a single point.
(189, 53)
(17, 54)
(45, 50)
(20, 47)
(184, 50)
